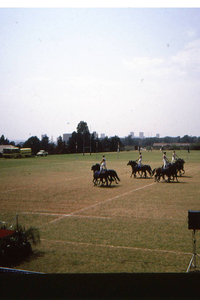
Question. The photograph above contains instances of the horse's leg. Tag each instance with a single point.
(110, 178)
(94, 181)
(176, 177)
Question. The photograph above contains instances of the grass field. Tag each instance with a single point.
(136, 226)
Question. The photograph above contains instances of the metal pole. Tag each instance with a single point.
(17, 222)
(194, 251)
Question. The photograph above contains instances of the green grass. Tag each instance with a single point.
(136, 226)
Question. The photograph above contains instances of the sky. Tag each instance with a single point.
(119, 69)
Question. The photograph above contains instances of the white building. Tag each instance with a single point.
(141, 135)
(66, 137)
(132, 134)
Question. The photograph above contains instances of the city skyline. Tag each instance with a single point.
(65, 136)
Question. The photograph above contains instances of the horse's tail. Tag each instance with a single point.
(117, 177)
(150, 171)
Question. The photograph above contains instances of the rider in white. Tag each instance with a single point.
(174, 157)
(103, 163)
(165, 160)
(139, 160)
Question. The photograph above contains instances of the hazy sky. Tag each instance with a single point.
(121, 70)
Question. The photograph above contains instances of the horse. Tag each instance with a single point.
(133, 164)
(180, 166)
(140, 169)
(97, 177)
(170, 171)
(112, 176)
(104, 176)
(100, 177)
(158, 174)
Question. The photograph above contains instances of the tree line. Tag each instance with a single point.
(82, 141)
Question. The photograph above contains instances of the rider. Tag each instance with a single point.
(139, 159)
(174, 157)
(103, 163)
(165, 160)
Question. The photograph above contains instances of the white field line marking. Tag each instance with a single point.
(116, 197)
(118, 247)
(13, 190)
(62, 217)
(65, 215)
(88, 207)
(94, 205)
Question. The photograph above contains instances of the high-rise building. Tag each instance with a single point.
(157, 135)
(66, 137)
(141, 135)
(132, 134)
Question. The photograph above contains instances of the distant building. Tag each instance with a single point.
(132, 134)
(141, 135)
(168, 146)
(102, 136)
(158, 135)
(66, 137)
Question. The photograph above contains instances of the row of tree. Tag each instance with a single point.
(82, 141)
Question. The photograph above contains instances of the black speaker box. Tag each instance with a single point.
(193, 219)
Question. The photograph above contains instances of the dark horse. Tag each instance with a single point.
(171, 172)
(180, 166)
(104, 176)
(140, 169)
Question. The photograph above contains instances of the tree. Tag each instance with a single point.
(105, 144)
(75, 143)
(51, 148)
(115, 141)
(4, 141)
(33, 143)
(60, 148)
(83, 130)
(45, 143)
(82, 127)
